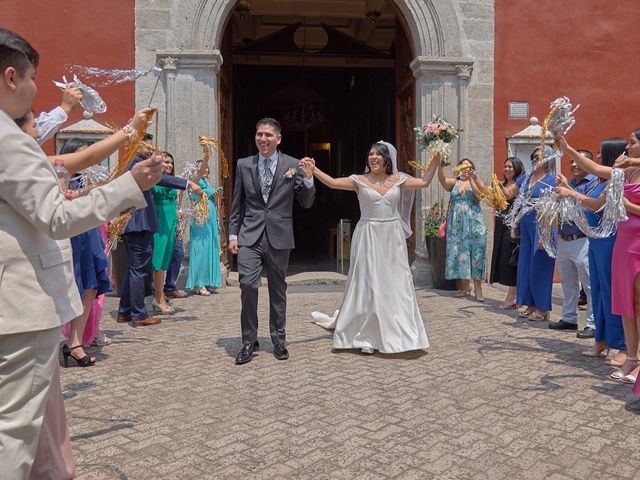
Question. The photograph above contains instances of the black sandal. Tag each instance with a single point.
(85, 361)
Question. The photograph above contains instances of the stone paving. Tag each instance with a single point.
(494, 397)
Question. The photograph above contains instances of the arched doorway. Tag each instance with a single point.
(197, 95)
(337, 82)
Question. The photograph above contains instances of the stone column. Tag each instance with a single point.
(464, 77)
(192, 102)
(438, 92)
(170, 69)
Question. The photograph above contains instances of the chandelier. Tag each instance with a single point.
(304, 116)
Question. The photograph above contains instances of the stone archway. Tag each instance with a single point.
(449, 44)
(421, 17)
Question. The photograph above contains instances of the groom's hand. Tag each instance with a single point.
(306, 166)
(233, 247)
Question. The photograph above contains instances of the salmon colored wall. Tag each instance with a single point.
(90, 33)
(587, 50)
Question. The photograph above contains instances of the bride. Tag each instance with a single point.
(379, 309)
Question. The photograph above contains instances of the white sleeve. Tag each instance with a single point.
(48, 123)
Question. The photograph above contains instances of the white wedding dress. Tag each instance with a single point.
(379, 309)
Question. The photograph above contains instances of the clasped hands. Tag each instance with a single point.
(306, 165)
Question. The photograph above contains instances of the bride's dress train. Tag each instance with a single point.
(379, 309)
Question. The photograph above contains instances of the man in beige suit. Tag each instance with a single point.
(37, 288)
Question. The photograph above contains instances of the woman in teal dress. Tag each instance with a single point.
(164, 240)
(204, 257)
(466, 231)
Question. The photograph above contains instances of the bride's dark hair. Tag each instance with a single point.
(382, 149)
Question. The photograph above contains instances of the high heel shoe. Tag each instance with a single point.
(508, 305)
(479, 298)
(463, 293)
(617, 360)
(624, 377)
(85, 361)
(597, 354)
(202, 291)
(160, 308)
(539, 317)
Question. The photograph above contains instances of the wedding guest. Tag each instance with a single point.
(35, 224)
(368, 320)
(48, 123)
(90, 266)
(204, 258)
(503, 260)
(92, 336)
(535, 267)
(572, 259)
(164, 239)
(170, 289)
(608, 333)
(466, 230)
(138, 240)
(625, 261)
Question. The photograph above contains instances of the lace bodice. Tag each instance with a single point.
(373, 205)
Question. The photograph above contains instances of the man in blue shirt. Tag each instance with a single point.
(572, 260)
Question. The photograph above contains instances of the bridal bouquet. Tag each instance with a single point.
(436, 137)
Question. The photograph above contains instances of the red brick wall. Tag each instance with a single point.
(90, 33)
(588, 50)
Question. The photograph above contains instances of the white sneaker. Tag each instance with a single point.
(367, 350)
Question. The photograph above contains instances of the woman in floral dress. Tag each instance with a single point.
(466, 231)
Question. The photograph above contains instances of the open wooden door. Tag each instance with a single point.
(405, 111)
(225, 103)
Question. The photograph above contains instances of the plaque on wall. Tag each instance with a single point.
(518, 109)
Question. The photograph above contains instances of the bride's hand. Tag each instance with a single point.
(307, 165)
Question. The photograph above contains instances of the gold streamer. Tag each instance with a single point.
(494, 196)
(207, 144)
(545, 127)
(123, 162)
(118, 224)
(418, 166)
(460, 169)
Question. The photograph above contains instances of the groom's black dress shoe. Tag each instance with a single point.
(246, 352)
(280, 352)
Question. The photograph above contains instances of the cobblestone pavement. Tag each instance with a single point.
(494, 397)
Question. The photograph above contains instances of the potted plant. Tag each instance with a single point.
(437, 246)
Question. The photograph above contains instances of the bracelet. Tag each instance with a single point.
(129, 131)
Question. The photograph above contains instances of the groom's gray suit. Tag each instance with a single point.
(265, 238)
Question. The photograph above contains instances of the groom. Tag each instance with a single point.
(261, 231)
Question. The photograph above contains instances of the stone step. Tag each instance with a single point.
(305, 278)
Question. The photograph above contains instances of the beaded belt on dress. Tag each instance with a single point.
(379, 219)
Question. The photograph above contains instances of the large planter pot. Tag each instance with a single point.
(437, 248)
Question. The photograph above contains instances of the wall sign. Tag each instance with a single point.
(518, 109)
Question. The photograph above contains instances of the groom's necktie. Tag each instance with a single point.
(265, 179)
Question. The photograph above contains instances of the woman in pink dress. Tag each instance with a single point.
(625, 262)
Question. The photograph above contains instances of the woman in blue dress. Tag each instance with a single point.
(609, 331)
(466, 230)
(204, 259)
(90, 266)
(535, 267)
